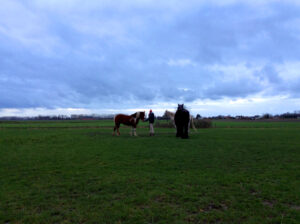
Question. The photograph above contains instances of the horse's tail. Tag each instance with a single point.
(192, 123)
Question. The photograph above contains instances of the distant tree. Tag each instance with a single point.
(198, 116)
(164, 117)
(267, 116)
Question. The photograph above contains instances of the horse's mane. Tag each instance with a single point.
(133, 115)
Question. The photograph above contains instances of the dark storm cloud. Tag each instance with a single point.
(110, 54)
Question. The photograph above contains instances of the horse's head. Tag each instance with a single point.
(180, 107)
(139, 115)
(142, 115)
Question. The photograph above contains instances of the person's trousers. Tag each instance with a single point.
(151, 128)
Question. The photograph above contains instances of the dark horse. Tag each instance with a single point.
(131, 120)
(182, 119)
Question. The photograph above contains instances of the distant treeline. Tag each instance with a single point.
(62, 117)
(295, 115)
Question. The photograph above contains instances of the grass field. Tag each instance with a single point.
(77, 172)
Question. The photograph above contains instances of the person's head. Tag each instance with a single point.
(150, 111)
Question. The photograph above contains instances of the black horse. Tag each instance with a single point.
(182, 119)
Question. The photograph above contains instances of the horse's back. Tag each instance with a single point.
(123, 118)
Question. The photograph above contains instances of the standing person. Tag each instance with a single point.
(151, 119)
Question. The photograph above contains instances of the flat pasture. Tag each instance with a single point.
(77, 172)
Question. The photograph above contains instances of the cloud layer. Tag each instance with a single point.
(115, 54)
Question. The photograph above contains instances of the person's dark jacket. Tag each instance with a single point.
(151, 118)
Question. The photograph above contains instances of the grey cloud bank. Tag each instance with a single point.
(116, 54)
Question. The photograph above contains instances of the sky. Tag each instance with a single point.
(106, 57)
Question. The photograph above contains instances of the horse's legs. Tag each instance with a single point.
(117, 126)
(173, 121)
(192, 123)
(185, 133)
(179, 130)
(134, 130)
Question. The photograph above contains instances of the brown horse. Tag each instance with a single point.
(131, 120)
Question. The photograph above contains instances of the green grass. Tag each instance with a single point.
(256, 124)
(56, 124)
(85, 175)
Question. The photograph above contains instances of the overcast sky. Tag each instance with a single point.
(216, 57)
